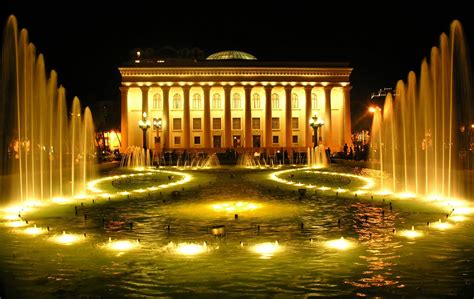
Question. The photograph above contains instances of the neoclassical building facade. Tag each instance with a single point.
(232, 100)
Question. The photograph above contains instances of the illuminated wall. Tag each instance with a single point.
(217, 117)
(176, 103)
(257, 104)
(337, 100)
(135, 134)
(196, 117)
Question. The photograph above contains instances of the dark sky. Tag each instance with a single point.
(85, 43)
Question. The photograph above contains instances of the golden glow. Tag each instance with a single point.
(406, 195)
(339, 190)
(188, 249)
(441, 225)
(11, 217)
(92, 185)
(339, 244)
(384, 192)
(123, 245)
(61, 200)
(457, 218)
(15, 223)
(411, 234)
(239, 206)
(267, 249)
(67, 239)
(34, 230)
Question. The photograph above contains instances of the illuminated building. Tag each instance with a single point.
(231, 99)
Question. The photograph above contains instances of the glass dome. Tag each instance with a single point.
(231, 55)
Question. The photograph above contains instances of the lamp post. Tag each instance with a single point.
(316, 123)
(144, 124)
(157, 125)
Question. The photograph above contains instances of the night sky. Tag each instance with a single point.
(86, 43)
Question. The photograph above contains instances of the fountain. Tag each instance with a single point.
(43, 152)
(420, 136)
(317, 157)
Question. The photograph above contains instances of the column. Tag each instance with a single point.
(227, 120)
(268, 117)
(145, 90)
(248, 117)
(124, 118)
(186, 124)
(146, 139)
(288, 116)
(347, 134)
(166, 118)
(207, 116)
(309, 112)
(327, 139)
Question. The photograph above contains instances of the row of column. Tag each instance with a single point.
(247, 115)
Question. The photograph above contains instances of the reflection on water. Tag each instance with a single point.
(271, 241)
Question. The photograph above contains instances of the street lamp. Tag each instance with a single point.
(157, 125)
(316, 123)
(144, 124)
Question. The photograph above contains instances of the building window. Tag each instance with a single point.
(256, 101)
(275, 101)
(197, 140)
(177, 140)
(275, 140)
(236, 101)
(275, 123)
(256, 123)
(177, 101)
(295, 123)
(157, 103)
(294, 101)
(314, 101)
(216, 101)
(295, 138)
(216, 123)
(236, 123)
(176, 124)
(196, 101)
(196, 123)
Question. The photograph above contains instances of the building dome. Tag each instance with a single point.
(231, 55)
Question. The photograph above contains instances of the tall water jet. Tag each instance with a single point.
(317, 156)
(424, 141)
(37, 154)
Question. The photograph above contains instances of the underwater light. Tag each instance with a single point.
(441, 225)
(239, 206)
(411, 234)
(339, 244)
(34, 230)
(188, 249)
(266, 249)
(67, 239)
(123, 245)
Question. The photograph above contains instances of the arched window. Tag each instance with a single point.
(196, 101)
(177, 101)
(275, 101)
(314, 101)
(236, 101)
(294, 100)
(157, 103)
(256, 101)
(216, 101)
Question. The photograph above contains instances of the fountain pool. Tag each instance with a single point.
(153, 243)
